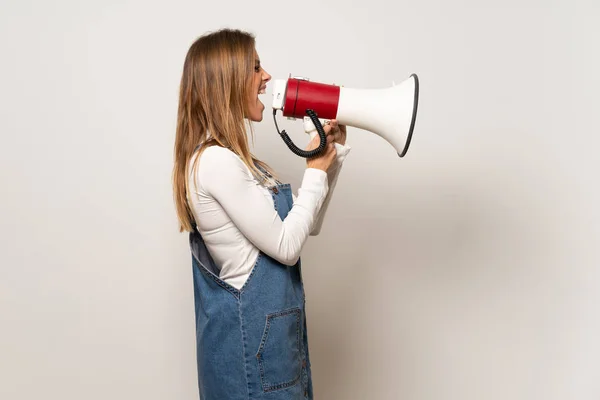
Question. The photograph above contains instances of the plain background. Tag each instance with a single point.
(467, 270)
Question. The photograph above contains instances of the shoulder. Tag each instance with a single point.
(218, 165)
(218, 153)
(217, 158)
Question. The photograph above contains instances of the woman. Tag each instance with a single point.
(246, 228)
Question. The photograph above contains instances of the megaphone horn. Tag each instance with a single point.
(390, 112)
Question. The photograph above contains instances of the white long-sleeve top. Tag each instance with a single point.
(236, 217)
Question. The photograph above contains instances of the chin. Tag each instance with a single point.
(257, 116)
(255, 113)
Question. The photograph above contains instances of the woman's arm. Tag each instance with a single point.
(226, 178)
(332, 177)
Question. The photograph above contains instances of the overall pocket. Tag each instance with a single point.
(279, 356)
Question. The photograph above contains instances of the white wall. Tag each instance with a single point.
(466, 270)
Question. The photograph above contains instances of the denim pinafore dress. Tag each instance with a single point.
(251, 343)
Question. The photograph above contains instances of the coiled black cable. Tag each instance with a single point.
(294, 148)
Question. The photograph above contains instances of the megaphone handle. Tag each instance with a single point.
(295, 149)
(312, 133)
(310, 128)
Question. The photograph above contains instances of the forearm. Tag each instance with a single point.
(251, 209)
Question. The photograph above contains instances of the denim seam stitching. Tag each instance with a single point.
(246, 369)
(252, 273)
(224, 285)
(275, 202)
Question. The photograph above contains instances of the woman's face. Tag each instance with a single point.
(259, 80)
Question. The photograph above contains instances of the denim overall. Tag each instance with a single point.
(251, 342)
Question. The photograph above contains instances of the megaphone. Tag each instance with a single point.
(390, 112)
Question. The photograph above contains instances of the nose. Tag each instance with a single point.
(266, 77)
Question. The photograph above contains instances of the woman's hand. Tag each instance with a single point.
(338, 131)
(328, 156)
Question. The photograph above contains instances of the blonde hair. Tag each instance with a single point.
(214, 89)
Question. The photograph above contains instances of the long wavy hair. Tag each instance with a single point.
(213, 98)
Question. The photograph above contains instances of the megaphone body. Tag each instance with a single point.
(390, 112)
